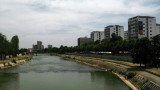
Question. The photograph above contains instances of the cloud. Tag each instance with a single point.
(60, 22)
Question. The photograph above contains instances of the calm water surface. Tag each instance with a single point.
(53, 73)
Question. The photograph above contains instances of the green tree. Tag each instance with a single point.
(4, 46)
(142, 52)
(156, 49)
(115, 38)
(15, 45)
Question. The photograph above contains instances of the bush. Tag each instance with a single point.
(13, 61)
(131, 75)
(122, 73)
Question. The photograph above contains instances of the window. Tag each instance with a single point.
(150, 27)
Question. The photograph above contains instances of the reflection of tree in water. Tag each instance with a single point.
(111, 81)
(9, 81)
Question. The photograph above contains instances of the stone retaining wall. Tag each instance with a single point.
(150, 86)
(11, 64)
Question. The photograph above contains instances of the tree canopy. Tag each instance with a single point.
(8, 48)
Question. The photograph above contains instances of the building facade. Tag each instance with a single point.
(142, 26)
(39, 46)
(158, 28)
(125, 35)
(97, 36)
(83, 40)
(49, 46)
(117, 29)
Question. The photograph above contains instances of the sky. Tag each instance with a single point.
(61, 22)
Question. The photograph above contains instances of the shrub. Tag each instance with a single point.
(122, 73)
(4, 63)
(131, 75)
(13, 61)
(9, 64)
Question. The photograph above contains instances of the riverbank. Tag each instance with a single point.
(104, 68)
(16, 61)
(134, 78)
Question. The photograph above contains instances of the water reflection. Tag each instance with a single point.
(111, 81)
(9, 81)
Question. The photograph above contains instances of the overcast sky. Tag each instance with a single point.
(61, 22)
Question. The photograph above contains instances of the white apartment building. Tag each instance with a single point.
(97, 35)
(125, 35)
(142, 26)
(117, 29)
(158, 28)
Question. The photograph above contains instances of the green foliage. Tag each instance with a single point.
(23, 51)
(5, 47)
(131, 75)
(156, 50)
(9, 64)
(122, 73)
(142, 52)
(15, 45)
(8, 48)
(13, 61)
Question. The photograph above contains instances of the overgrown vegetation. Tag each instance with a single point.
(13, 61)
(131, 75)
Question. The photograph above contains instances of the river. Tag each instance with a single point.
(46, 72)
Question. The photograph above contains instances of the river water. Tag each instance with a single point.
(46, 72)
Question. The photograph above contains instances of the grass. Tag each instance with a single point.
(154, 70)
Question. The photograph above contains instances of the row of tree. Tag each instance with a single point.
(115, 45)
(143, 51)
(8, 47)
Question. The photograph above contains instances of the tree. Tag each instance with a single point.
(5, 48)
(156, 49)
(115, 38)
(142, 52)
(15, 45)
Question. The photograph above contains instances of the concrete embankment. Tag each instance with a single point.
(12, 62)
(101, 66)
(131, 78)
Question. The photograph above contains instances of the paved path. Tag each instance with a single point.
(150, 76)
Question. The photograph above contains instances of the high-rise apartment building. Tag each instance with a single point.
(125, 35)
(142, 26)
(97, 36)
(39, 46)
(158, 28)
(83, 40)
(117, 29)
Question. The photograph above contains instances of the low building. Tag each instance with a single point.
(83, 40)
(49, 46)
(97, 36)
